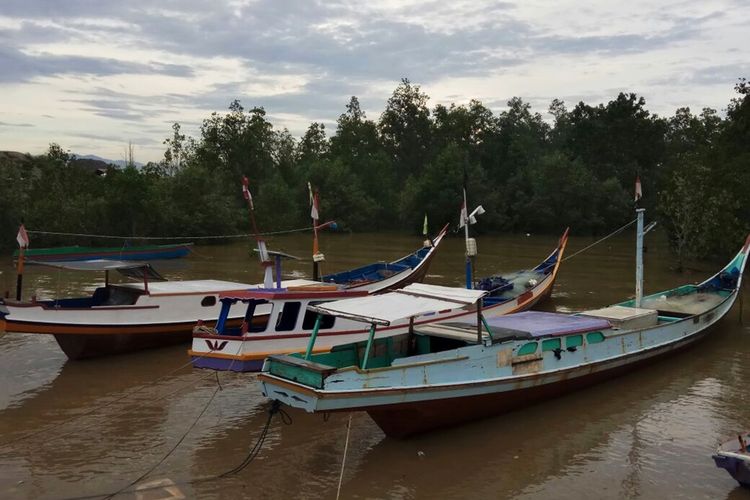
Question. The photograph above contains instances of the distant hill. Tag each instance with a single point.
(14, 157)
(119, 163)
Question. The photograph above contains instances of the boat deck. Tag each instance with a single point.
(694, 303)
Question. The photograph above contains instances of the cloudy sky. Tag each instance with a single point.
(92, 75)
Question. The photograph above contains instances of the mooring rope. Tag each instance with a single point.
(56, 426)
(213, 237)
(613, 233)
(169, 453)
(343, 460)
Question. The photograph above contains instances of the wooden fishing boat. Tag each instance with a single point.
(122, 317)
(287, 330)
(75, 253)
(289, 326)
(440, 375)
(734, 456)
(382, 276)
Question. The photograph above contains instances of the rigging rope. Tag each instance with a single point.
(613, 233)
(343, 460)
(178, 443)
(214, 237)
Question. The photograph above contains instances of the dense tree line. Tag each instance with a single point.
(530, 175)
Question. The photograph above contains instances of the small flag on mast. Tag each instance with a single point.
(246, 192)
(313, 203)
(22, 237)
(464, 217)
(638, 192)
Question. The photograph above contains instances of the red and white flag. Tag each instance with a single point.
(638, 192)
(22, 237)
(464, 217)
(246, 192)
(314, 214)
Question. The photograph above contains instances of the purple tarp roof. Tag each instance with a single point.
(539, 324)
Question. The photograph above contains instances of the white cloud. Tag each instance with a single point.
(104, 73)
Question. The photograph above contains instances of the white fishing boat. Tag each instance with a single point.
(289, 327)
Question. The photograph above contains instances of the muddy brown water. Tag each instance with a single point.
(90, 428)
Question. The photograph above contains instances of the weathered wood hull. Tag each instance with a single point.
(404, 420)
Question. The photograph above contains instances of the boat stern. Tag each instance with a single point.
(294, 381)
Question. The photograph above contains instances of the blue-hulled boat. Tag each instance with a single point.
(441, 375)
(381, 276)
(734, 456)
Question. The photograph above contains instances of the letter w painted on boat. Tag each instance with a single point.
(216, 345)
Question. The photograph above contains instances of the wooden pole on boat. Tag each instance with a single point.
(639, 257)
(315, 216)
(313, 336)
(23, 241)
(265, 261)
(370, 338)
(479, 321)
(19, 274)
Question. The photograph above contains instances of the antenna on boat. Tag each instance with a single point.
(265, 260)
(471, 244)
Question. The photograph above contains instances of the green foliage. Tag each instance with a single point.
(577, 170)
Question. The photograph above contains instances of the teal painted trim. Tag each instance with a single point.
(487, 327)
(369, 345)
(313, 336)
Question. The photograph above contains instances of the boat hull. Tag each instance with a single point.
(738, 467)
(404, 420)
(149, 252)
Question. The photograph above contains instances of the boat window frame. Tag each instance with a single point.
(520, 350)
(597, 335)
(308, 320)
(551, 345)
(568, 339)
(287, 320)
(207, 302)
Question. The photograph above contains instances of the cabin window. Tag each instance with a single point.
(550, 345)
(573, 341)
(209, 301)
(308, 322)
(594, 337)
(526, 349)
(288, 317)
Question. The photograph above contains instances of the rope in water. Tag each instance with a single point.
(343, 460)
(213, 237)
(613, 233)
(56, 426)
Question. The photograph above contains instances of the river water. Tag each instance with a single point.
(90, 428)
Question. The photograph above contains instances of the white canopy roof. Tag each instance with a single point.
(414, 300)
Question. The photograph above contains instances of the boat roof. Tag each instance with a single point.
(314, 289)
(275, 253)
(91, 265)
(187, 286)
(130, 268)
(414, 300)
(532, 324)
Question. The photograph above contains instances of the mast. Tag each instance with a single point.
(639, 256)
(23, 241)
(317, 256)
(471, 243)
(265, 261)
